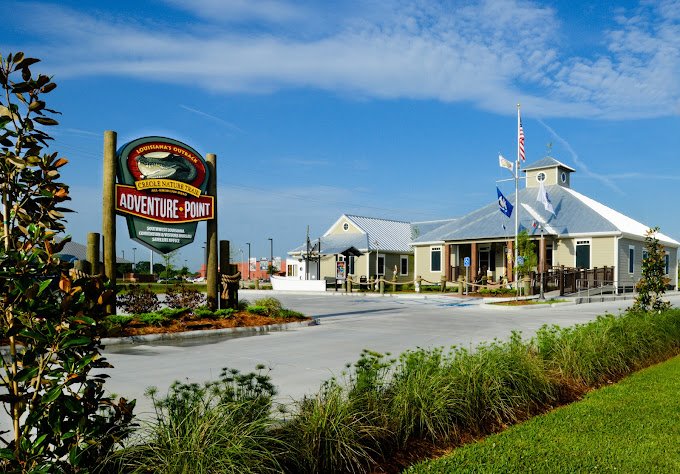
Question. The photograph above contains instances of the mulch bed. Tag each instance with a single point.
(240, 319)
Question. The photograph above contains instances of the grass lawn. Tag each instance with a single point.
(632, 426)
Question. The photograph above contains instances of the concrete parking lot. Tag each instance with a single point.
(302, 358)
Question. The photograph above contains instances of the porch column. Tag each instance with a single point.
(509, 274)
(447, 261)
(473, 261)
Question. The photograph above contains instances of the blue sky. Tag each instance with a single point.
(394, 109)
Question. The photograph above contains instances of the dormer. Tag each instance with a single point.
(548, 170)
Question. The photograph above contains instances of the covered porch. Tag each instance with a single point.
(492, 259)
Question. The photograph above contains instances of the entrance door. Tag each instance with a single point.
(484, 260)
(583, 254)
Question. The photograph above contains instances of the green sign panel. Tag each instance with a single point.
(161, 191)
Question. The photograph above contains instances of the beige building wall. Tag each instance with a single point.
(564, 252)
(327, 266)
(422, 261)
(602, 251)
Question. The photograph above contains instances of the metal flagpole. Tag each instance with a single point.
(517, 206)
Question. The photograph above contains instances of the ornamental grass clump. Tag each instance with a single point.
(497, 384)
(333, 432)
(609, 347)
(223, 426)
(420, 402)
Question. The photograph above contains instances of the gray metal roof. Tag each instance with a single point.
(384, 234)
(547, 162)
(421, 228)
(574, 214)
(79, 251)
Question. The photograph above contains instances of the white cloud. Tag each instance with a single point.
(492, 53)
(242, 10)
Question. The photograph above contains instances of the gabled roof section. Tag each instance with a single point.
(384, 234)
(575, 214)
(547, 162)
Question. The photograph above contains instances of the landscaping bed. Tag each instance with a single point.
(185, 311)
(190, 322)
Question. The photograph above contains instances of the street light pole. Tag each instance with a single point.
(248, 244)
(134, 258)
(271, 256)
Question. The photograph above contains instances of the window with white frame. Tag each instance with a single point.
(583, 253)
(435, 259)
(403, 265)
(631, 259)
(350, 265)
(381, 264)
(345, 226)
(644, 255)
(667, 262)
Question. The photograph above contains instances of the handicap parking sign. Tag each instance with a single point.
(466, 261)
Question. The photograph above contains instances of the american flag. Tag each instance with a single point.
(520, 140)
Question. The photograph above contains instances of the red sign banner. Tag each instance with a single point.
(163, 207)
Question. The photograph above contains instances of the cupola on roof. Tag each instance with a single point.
(549, 171)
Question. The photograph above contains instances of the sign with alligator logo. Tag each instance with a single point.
(161, 191)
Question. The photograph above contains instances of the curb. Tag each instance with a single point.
(147, 338)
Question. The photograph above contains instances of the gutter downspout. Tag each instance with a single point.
(616, 264)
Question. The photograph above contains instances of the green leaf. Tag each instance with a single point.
(52, 395)
(80, 341)
(6, 454)
(45, 121)
(26, 374)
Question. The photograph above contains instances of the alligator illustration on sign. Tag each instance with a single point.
(159, 165)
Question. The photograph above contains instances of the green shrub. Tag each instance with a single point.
(420, 402)
(261, 310)
(289, 313)
(184, 296)
(221, 426)
(121, 320)
(272, 306)
(604, 349)
(332, 432)
(153, 319)
(138, 299)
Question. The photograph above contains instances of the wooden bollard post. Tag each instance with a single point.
(83, 266)
(419, 281)
(93, 256)
(211, 237)
(394, 284)
(109, 212)
(381, 285)
(371, 283)
(460, 286)
(443, 284)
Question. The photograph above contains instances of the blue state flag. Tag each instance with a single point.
(503, 204)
